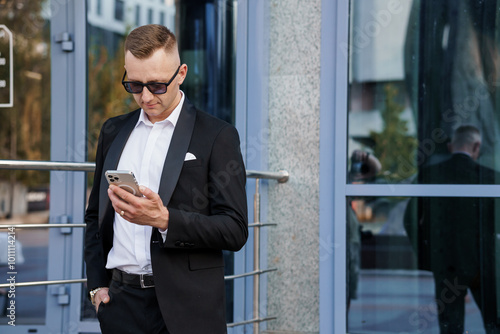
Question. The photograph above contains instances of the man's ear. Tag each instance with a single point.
(476, 148)
(183, 73)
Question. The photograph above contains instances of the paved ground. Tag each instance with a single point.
(401, 302)
(34, 244)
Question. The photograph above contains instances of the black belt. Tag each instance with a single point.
(142, 280)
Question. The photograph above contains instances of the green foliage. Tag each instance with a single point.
(107, 97)
(25, 128)
(393, 146)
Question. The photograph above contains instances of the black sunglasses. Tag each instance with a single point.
(136, 87)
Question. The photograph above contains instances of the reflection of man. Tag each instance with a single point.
(454, 236)
(458, 63)
(155, 263)
(364, 168)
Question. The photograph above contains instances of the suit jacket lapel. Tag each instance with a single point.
(177, 151)
(111, 162)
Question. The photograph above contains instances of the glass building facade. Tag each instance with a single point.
(422, 110)
(383, 112)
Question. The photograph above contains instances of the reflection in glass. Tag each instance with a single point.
(419, 70)
(425, 265)
(380, 118)
(31, 260)
(25, 135)
(423, 102)
(207, 41)
(452, 68)
(461, 167)
(454, 238)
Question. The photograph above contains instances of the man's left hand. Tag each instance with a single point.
(145, 210)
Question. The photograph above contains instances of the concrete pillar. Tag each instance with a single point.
(293, 245)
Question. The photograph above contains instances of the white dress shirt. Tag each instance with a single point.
(144, 154)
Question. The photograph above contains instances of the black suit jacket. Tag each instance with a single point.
(452, 236)
(206, 200)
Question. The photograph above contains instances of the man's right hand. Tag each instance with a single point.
(101, 296)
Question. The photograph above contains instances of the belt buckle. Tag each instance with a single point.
(143, 286)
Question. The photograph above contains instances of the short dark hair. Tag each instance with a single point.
(143, 41)
(466, 135)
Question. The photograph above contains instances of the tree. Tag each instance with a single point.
(107, 97)
(393, 146)
(25, 129)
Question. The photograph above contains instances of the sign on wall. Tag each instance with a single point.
(6, 68)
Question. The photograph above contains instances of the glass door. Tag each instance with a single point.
(422, 156)
(25, 93)
(40, 260)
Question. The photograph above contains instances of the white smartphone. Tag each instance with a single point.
(124, 179)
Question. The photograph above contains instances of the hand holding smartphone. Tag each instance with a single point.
(125, 180)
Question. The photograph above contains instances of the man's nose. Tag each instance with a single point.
(146, 95)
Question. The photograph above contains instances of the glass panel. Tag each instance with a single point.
(206, 33)
(24, 134)
(420, 70)
(207, 40)
(419, 264)
(30, 249)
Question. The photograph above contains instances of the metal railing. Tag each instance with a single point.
(280, 176)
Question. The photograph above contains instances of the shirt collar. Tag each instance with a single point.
(463, 152)
(172, 118)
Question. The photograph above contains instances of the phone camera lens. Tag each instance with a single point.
(113, 178)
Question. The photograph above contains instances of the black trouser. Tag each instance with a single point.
(131, 310)
(450, 293)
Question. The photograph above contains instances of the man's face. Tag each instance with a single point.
(159, 67)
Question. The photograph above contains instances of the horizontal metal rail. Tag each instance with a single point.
(38, 283)
(7, 226)
(84, 280)
(251, 273)
(280, 176)
(261, 224)
(47, 165)
(252, 321)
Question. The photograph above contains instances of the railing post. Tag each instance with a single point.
(256, 257)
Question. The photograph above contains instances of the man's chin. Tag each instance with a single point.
(152, 112)
(155, 115)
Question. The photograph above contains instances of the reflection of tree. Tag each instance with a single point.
(107, 97)
(393, 146)
(25, 128)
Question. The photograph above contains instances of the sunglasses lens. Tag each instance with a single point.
(157, 88)
(136, 87)
(132, 87)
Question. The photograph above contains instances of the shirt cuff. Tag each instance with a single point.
(163, 234)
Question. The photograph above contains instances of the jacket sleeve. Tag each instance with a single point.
(94, 252)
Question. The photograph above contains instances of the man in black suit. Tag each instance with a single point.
(155, 263)
(454, 236)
